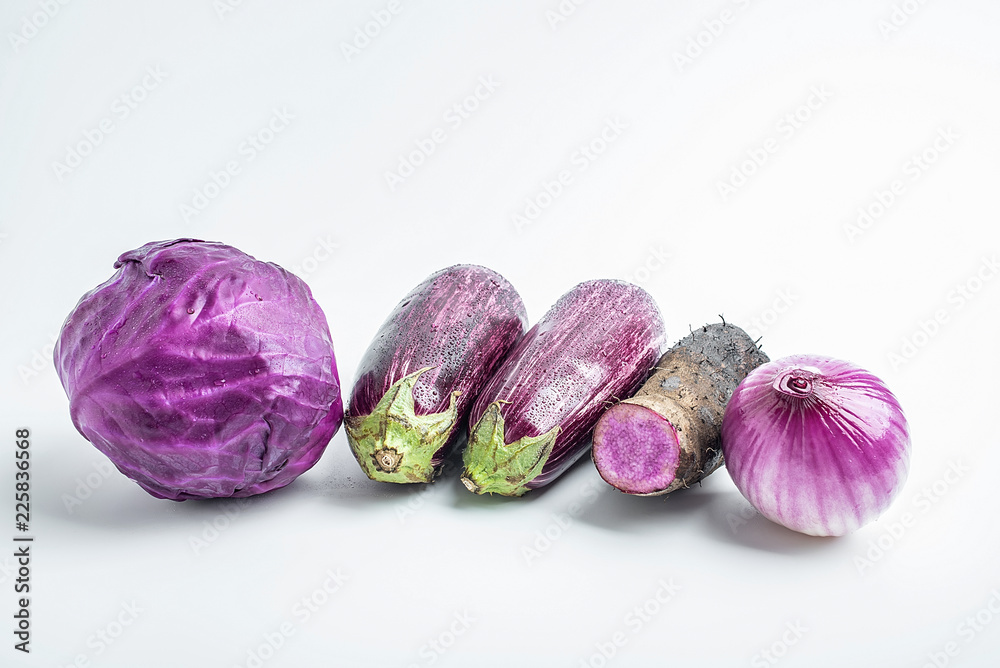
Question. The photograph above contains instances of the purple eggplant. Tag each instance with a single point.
(424, 368)
(532, 421)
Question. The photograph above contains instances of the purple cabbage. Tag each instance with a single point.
(201, 372)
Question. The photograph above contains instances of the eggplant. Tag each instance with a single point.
(533, 419)
(426, 364)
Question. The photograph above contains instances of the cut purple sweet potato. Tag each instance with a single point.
(667, 436)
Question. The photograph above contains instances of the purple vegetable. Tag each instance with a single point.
(818, 445)
(201, 372)
(425, 366)
(667, 436)
(533, 419)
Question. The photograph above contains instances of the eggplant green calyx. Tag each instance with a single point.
(393, 443)
(492, 466)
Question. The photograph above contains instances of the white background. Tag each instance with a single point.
(774, 255)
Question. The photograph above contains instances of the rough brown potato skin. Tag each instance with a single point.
(691, 386)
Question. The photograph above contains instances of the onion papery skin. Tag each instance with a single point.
(816, 444)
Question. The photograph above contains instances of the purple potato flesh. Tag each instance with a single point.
(668, 435)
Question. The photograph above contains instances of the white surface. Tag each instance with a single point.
(777, 243)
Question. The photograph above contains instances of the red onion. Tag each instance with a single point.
(816, 444)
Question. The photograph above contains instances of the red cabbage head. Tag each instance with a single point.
(201, 372)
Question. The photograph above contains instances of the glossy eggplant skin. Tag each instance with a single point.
(597, 344)
(429, 360)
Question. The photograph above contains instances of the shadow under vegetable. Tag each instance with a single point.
(731, 520)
